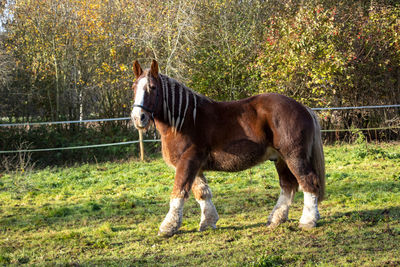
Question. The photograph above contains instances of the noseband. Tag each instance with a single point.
(149, 110)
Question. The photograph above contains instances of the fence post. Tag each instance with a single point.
(141, 145)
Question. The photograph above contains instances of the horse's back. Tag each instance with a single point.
(267, 118)
(256, 129)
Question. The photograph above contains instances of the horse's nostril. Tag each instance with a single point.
(142, 117)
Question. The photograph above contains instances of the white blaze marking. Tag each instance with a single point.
(139, 97)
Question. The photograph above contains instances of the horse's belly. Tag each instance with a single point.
(239, 155)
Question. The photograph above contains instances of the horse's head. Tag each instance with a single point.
(146, 89)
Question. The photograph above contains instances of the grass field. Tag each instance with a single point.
(109, 214)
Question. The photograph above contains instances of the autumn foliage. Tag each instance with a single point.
(70, 59)
(73, 58)
(338, 56)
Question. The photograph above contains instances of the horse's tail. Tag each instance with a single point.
(317, 156)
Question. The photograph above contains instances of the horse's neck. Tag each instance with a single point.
(180, 104)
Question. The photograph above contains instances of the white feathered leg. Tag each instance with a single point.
(280, 212)
(209, 214)
(310, 214)
(173, 220)
(203, 195)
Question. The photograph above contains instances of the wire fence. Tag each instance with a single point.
(158, 140)
(359, 129)
(77, 147)
(128, 118)
(360, 107)
(61, 122)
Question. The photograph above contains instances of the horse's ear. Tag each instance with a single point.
(154, 69)
(137, 70)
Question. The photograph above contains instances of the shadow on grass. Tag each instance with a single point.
(368, 217)
(362, 187)
(228, 203)
(138, 209)
(48, 215)
(148, 260)
(361, 192)
(236, 227)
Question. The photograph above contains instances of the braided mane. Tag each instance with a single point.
(177, 101)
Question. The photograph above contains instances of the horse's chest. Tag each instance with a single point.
(172, 150)
(169, 157)
(239, 155)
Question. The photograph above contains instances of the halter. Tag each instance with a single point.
(151, 111)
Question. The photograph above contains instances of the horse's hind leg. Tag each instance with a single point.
(300, 166)
(202, 193)
(289, 187)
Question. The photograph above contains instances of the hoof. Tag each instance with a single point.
(276, 221)
(205, 226)
(166, 234)
(211, 222)
(307, 226)
(272, 225)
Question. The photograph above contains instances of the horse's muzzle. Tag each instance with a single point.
(140, 118)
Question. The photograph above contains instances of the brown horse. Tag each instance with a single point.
(199, 134)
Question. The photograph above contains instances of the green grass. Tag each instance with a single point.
(109, 214)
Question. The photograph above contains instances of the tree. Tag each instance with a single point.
(339, 56)
(75, 53)
(228, 35)
(6, 63)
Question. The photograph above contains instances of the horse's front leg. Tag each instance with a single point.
(186, 171)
